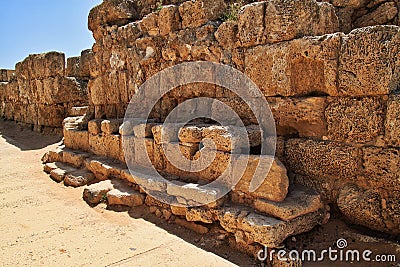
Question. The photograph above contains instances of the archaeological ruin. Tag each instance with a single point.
(329, 70)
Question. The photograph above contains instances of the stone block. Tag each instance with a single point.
(369, 61)
(322, 159)
(209, 164)
(274, 182)
(287, 20)
(76, 139)
(298, 202)
(381, 166)
(94, 126)
(169, 19)
(165, 133)
(197, 13)
(392, 122)
(251, 24)
(302, 116)
(300, 67)
(358, 120)
(111, 126)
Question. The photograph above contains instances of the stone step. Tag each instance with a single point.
(125, 195)
(115, 192)
(249, 227)
(58, 171)
(79, 178)
(299, 201)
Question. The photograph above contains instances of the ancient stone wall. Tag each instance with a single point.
(41, 92)
(332, 90)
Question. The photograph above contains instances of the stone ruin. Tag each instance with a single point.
(328, 69)
(42, 92)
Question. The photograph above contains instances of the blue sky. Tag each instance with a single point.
(37, 26)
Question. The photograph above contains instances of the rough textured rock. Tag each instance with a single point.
(381, 166)
(392, 123)
(249, 227)
(322, 159)
(357, 120)
(361, 207)
(381, 15)
(274, 186)
(369, 61)
(298, 202)
(299, 67)
(78, 178)
(95, 193)
(197, 13)
(126, 196)
(302, 116)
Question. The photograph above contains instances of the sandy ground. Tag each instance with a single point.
(43, 223)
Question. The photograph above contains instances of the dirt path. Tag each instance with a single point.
(44, 223)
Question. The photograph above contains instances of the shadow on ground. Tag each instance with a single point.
(24, 138)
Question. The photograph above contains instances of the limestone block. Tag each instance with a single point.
(287, 20)
(392, 123)
(197, 13)
(251, 24)
(94, 126)
(226, 34)
(302, 116)
(169, 19)
(76, 139)
(111, 126)
(274, 184)
(381, 166)
(381, 15)
(369, 61)
(322, 159)
(299, 201)
(299, 67)
(357, 120)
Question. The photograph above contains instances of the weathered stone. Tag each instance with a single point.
(148, 181)
(96, 193)
(201, 215)
(111, 126)
(76, 159)
(322, 159)
(198, 228)
(111, 12)
(274, 185)
(194, 192)
(226, 34)
(149, 24)
(230, 138)
(287, 20)
(190, 134)
(302, 116)
(361, 207)
(210, 164)
(298, 202)
(94, 126)
(76, 139)
(392, 123)
(78, 178)
(126, 196)
(357, 120)
(53, 155)
(381, 15)
(250, 227)
(381, 166)
(169, 19)
(372, 70)
(165, 133)
(179, 210)
(197, 13)
(299, 67)
(251, 24)
(144, 151)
